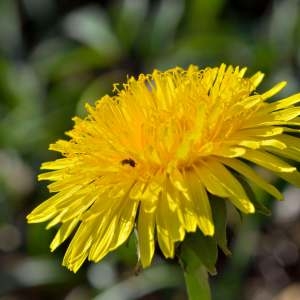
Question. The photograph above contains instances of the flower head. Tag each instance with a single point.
(151, 156)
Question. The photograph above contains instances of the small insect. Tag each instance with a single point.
(128, 161)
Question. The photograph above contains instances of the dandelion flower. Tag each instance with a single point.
(152, 156)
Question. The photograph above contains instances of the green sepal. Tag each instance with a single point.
(218, 206)
(259, 207)
(205, 248)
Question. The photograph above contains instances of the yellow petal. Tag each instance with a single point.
(256, 79)
(78, 249)
(275, 143)
(164, 241)
(230, 184)
(286, 102)
(248, 172)
(168, 225)
(146, 239)
(64, 232)
(268, 161)
(291, 141)
(199, 203)
(266, 131)
(292, 178)
(274, 90)
(293, 147)
(48, 209)
(103, 236)
(125, 224)
(210, 181)
(229, 151)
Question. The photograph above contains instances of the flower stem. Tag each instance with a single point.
(195, 275)
(197, 284)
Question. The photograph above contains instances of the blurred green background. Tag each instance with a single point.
(55, 55)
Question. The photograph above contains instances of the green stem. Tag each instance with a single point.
(197, 284)
(196, 276)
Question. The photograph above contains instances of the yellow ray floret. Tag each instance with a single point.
(154, 156)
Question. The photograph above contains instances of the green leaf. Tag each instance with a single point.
(63, 60)
(160, 32)
(203, 15)
(129, 18)
(259, 207)
(218, 206)
(92, 28)
(10, 28)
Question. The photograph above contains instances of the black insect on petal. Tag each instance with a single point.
(128, 161)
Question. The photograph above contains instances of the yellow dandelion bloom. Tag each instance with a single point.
(151, 156)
